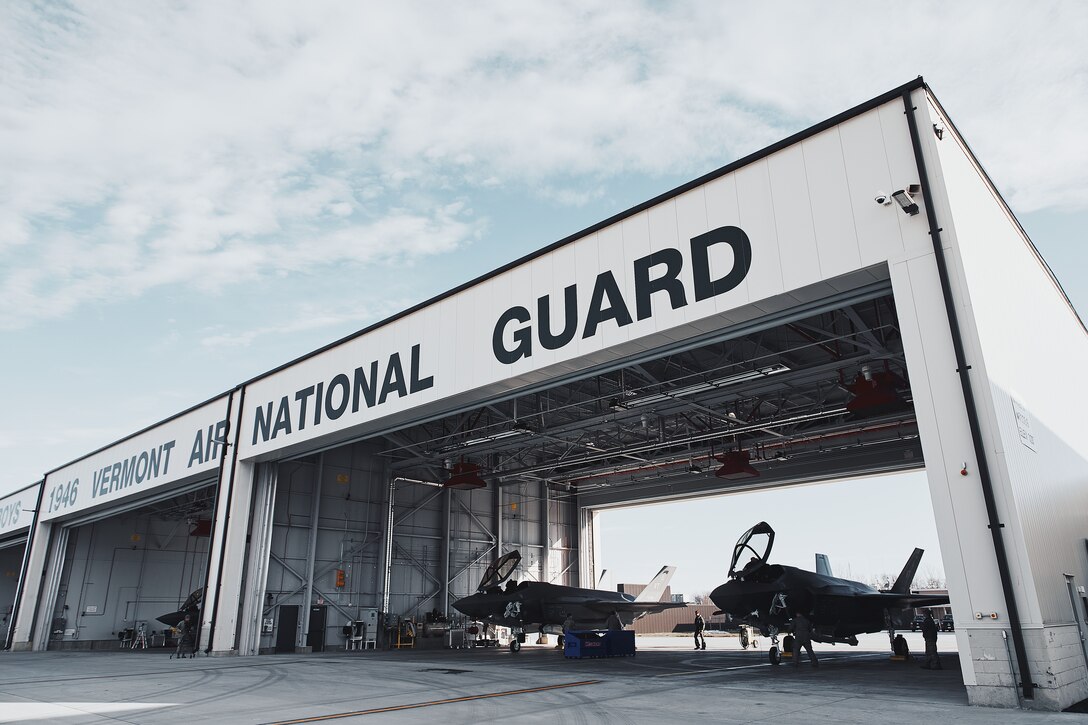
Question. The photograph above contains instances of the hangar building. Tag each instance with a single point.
(856, 299)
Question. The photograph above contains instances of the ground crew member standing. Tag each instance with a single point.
(802, 637)
(700, 625)
(614, 622)
(929, 634)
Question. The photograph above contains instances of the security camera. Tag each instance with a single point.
(882, 198)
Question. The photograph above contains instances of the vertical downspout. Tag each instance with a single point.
(22, 571)
(995, 524)
(226, 509)
(315, 513)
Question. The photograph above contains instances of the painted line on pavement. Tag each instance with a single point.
(432, 703)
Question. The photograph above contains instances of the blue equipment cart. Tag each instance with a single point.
(609, 643)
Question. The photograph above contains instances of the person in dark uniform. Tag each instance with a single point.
(700, 625)
(187, 637)
(614, 622)
(929, 634)
(802, 637)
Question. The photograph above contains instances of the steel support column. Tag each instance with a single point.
(446, 505)
(545, 530)
(387, 564)
(315, 514)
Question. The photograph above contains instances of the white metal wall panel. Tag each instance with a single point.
(660, 226)
(903, 170)
(723, 209)
(1034, 350)
(799, 256)
(691, 221)
(867, 172)
(832, 210)
(958, 508)
(17, 510)
(757, 219)
(173, 453)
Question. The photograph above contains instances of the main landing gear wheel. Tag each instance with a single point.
(515, 646)
(774, 656)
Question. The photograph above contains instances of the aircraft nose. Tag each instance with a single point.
(469, 606)
(723, 598)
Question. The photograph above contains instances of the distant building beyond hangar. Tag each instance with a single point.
(852, 300)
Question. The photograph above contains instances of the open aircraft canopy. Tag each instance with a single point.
(500, 570)
(756, 541)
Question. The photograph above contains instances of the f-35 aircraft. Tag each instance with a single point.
(190, 606)
(766, 595)
(544, 607)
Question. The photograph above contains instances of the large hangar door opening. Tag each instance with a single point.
(325, 549)
(814, 392)
(866, 526)
(11, 561)
(123, 571)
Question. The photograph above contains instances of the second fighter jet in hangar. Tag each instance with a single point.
(531, 605)
(766, 595)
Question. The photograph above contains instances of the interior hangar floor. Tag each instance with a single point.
(664, 682)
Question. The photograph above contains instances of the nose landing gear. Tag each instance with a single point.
(774, 655)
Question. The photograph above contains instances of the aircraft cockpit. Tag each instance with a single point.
(753, 548)
(500, 571)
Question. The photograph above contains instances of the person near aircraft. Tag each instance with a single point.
(700, 625)
(614, 623)
(929, 634)
(802, 637)
(765, 596)
(186, 637)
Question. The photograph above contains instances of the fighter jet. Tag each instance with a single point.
(190, 606)
(766, 595)
(544, 607)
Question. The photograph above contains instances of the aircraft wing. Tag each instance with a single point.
(606, 606)
(891, 600)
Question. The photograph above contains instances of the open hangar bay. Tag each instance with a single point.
(838, 304)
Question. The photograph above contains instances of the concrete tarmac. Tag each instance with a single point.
(666, 682)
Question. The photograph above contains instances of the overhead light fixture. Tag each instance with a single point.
(464, 475)
(702, 387)
(735, 464)
(519, 428)
(875, 393)
(905, 199)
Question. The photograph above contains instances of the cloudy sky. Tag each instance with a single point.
(194, 193)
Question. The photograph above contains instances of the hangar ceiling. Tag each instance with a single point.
(818, 397)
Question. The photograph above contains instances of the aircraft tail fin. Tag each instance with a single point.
(656, 587)
(823, 565)
(902, 584)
